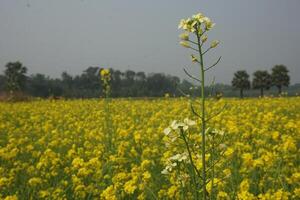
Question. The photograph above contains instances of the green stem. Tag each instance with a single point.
(190, 154)
(192, 163)
(202, 116)
(213, 167)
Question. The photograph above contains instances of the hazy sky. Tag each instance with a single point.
(52, 36)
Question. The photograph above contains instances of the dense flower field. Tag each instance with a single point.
(97, 149)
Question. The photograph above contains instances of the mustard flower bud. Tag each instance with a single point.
(185, 44)
(214, 43)
(204, 38)
(194, 59)
(184, 36)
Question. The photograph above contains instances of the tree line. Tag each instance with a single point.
(88, 84)
(130, 83)
(262, 80)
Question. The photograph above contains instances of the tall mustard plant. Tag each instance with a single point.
(199, 25)
(105, 76)
(198, 167)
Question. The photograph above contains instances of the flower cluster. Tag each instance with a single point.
(174, 161)
(198, 22)
(175, 125)
(198, 25)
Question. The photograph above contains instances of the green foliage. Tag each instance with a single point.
(262, 80)
(15, 76)
(2, 82)
(42, 86)
(280, 77)
(88, 84)
(241, 81)
(128, 84)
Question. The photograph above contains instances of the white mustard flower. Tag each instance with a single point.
(167, 131)
(189, 122)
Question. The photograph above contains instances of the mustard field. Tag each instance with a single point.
(102, 149)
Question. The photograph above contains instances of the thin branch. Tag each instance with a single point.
(206, 51)
(214, 64)
(191, 76)
(203, 33)
(189, 152)
(202, 43)
(193, 49)
(194, 112)
(192, 42)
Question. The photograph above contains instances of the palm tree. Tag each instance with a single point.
(262, 80)
(241, 81)
(280, 77)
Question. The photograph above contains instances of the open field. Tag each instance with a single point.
(97, 149)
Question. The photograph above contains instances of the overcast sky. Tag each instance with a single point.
(52, 36)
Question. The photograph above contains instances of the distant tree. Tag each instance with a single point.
(116, 82)
(55, 87)
(280, 77)
(90, 82)
(2, 82)
(67, 80)
(38, 85)
(173, 83)
(241, 81)
(15, 76)
(262, 80)
(141, 84)
(158, 84)
(129, 75)
(141, 76)
(185, 88)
